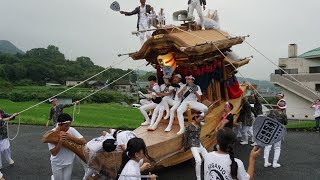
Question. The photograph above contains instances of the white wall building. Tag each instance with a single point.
(306, 69)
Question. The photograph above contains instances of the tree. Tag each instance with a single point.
(85, 61)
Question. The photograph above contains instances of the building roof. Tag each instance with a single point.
(315, 53)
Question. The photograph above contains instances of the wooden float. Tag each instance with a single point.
(189, 52)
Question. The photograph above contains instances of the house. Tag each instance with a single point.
(72, 83)
(53, 84)
(124, 86)
(306, 69)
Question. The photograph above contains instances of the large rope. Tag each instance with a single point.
(106, 69)
(227, 58)
(285, 72)
(112, 82)
(74, 110)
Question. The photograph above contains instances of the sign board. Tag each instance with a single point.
(267, 131)
(115, 6)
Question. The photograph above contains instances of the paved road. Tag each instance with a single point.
(300, 158)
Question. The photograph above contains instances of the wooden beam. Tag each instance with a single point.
(224, 81)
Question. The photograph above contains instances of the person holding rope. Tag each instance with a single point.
(190, 94)
(191, 139)
(150, 103)
(316, 107)
(221, 163)
(246, 119)
(57, 109)
(227, 118)
(143, 21)
(61, 157)
(281, 102)
(122, 138)
(131, 166)
(278, 114)
(4, 139)
(105, 142)
(257, 108)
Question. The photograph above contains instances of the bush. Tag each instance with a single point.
(5, 85)
(40, 93)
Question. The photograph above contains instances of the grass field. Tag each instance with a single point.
(301, 124)
(97, 115)
(91, 115)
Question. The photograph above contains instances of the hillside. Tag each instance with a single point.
(263, 86)
(41, 65)
(8, 47)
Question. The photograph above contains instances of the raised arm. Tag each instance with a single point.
(135, 11)
(8, 117)
(255, 152)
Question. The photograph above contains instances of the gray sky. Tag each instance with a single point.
(90, 28)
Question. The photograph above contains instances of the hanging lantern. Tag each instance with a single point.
(167, 60)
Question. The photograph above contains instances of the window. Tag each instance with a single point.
(289, 71)
(315, 69)
(318, 87)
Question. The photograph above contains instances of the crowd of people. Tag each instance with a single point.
(175, 94)
(148, 17)
(168, 99)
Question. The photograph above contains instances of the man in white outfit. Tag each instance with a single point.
(190, 94)
(197, 4)
(148, 104)
(166, 91)
(173, 101)
(143, 21)
(279, 115)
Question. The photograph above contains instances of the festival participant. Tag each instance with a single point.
(316, 106)
(174, 101)
(227, 118)
(142, 11)
(105, 142)
(191, 139)
(257, 108)
(61, 157)
(166, 91)
(196, 4)
(57, 109)
(4, 140)
(148, 104)
(246, 118)
(122, 138)
(190, 94)
(281, 102)
(279, 115)
(161, 18)
(131, 167)
(221, 164)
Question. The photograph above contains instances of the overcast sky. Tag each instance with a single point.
(90, 28)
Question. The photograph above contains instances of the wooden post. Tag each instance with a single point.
(218, 91)
(224, 79)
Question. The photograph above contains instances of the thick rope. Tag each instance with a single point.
(74, 111)
(72, 87)
(285, 72)
(60, 94)
(229, 62)
(11, 139)
(112, 82)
